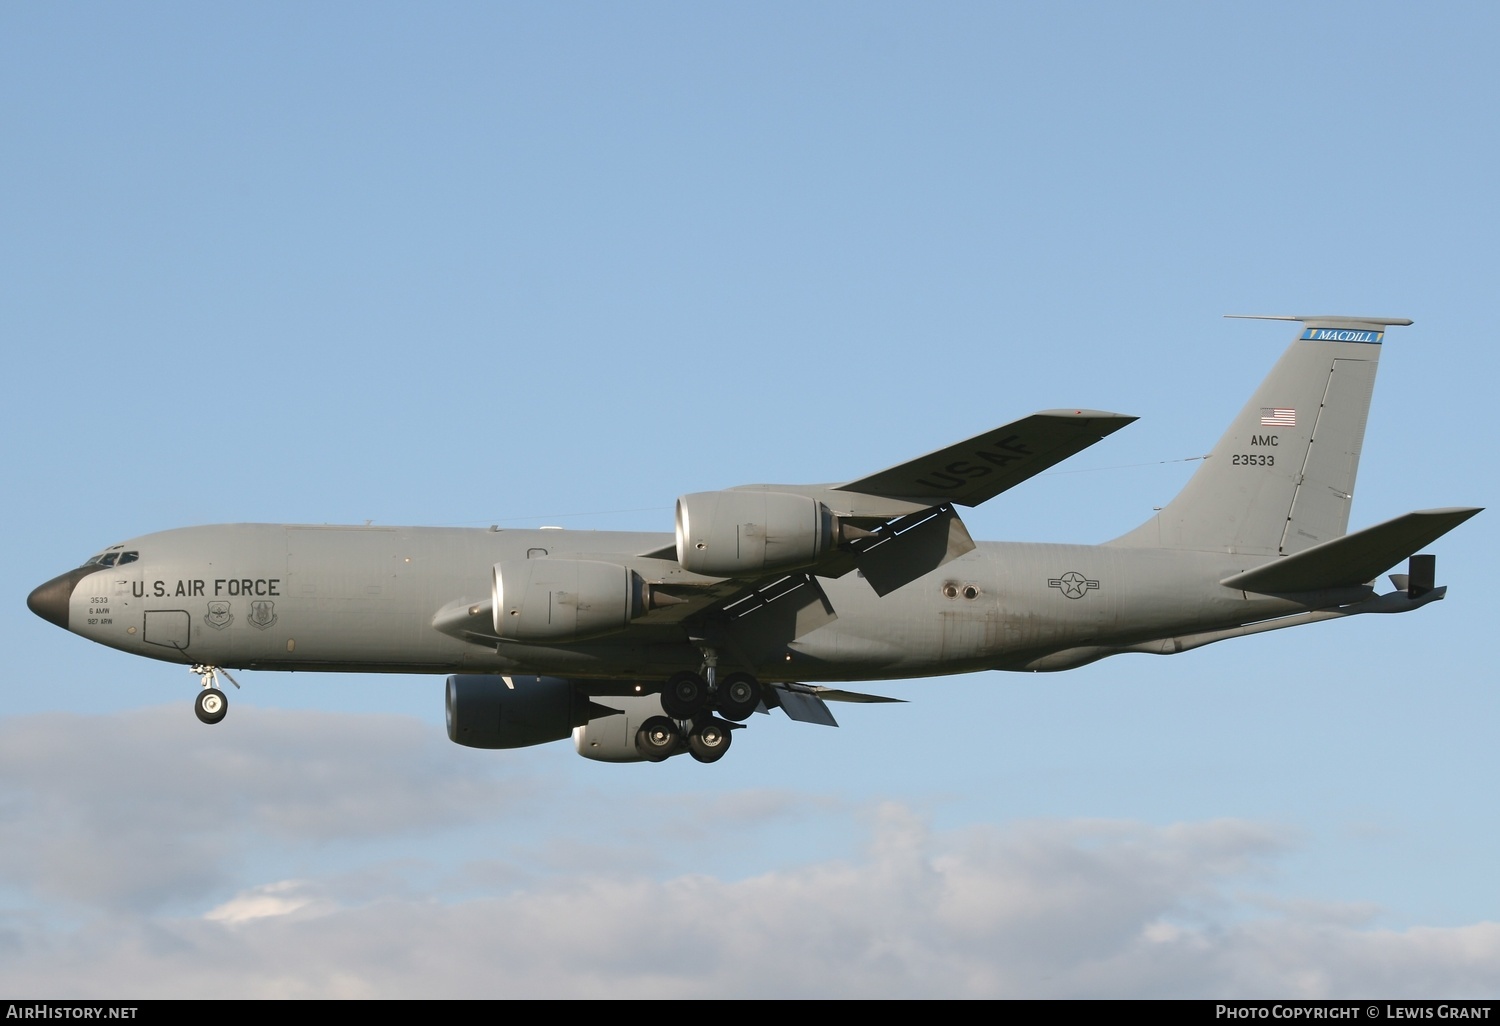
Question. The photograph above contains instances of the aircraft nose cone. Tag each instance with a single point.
(50, 601)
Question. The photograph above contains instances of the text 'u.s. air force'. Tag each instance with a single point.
(263, 587)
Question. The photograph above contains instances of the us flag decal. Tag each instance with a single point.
(1278, 418)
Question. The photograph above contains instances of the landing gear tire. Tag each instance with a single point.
(710, 740)
(659, 738)
(685, 695)
(739, 696)
(211, 705)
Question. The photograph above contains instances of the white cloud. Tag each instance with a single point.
(143, 809)
(283, 898)
(438, 885)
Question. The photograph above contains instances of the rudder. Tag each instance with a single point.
(1281, 478)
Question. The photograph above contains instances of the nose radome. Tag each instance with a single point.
(50, 601)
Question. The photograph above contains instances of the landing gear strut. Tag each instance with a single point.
(211, 705)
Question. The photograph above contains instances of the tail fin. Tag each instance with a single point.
(1282, 477)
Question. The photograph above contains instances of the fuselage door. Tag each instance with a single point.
(169, 628)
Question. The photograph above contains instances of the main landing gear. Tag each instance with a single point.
(706, 738)
(687, 694)
(211, 705)
(689, 701)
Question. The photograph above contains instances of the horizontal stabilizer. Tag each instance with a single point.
(1353, 559)
(1338, 322)
(980, 468)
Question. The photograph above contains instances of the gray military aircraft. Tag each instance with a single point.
(643, 646)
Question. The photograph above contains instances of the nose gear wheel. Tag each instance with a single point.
(211, 705)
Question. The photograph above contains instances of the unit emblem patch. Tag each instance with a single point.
(262, 613)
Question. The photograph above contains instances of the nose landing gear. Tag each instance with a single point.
(211, 705)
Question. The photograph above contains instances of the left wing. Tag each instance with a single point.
(745, 566)
(894, 526)
(980, 468)
(900, 524)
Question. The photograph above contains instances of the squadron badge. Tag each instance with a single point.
(262, 613)
(218, 616)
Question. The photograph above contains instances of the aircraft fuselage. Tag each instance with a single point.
(293, 597)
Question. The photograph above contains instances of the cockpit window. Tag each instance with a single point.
(114, 557)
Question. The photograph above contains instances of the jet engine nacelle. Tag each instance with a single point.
(487, 711)
(739, 533)
(563, 600)
(612, 738)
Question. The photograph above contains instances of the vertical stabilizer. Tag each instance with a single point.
(1282, 477)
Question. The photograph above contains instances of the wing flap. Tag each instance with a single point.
(805, 702)
(914, 550)
(1353, 559)
(761, 623)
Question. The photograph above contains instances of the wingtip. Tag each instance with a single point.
(1462, 512)
(1124, 418)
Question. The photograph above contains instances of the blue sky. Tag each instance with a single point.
(466, 264)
